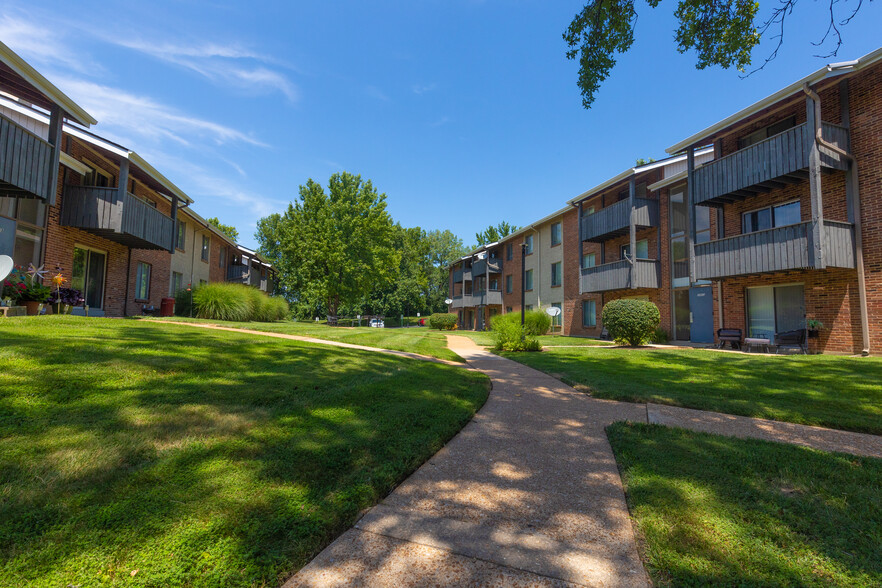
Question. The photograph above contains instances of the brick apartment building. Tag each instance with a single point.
(763, 222)
(114, 225)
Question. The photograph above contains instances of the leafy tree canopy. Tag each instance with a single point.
(228, 230)
(723, 33)
(492, 234)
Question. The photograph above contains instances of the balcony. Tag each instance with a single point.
(25, 162)
(773, 163)
(774, 250)
(467, 274)
(487, 298)
(617, 276)
(457, 302)
(457, 275)
(615, 220)
(479, 268)
(127, 220)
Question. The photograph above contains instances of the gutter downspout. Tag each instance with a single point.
(858, 233)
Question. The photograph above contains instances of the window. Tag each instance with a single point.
(588, 210)
(182, 235)
(202, 282)
(177, 282)
(97, 177)
(528, 307)
(206, 245)
(21, 231)
(222, 258)
(528, 279)
(642, 249)
(557, 320)
(508, 309)
(589, 260)
(494, 282)
(509, 251)
(589, 313)
(766, 132)
(773, 216)
(556, 234)
(775, 309)
(508, 284)
(142, 281)
(555, 274)
(529, 242)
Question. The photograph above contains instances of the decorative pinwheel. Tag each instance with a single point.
(35, 272)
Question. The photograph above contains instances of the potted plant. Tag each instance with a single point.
(65, 298)
(813, 326)
(33, 296)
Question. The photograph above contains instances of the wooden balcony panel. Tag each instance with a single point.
(773, 250)
(457, 275)
(615, 220)
(479, 268)
(25, 162)
(127, 220)
(778, 160)
(617, 276)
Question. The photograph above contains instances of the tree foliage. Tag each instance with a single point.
(720, 32)
(492, 234)
(228, 230)
(332, 247)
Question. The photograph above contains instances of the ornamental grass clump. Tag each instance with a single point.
(443, 321)
(236, 302)
(631, 322)
(509, 335)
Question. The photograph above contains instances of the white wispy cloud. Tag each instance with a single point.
(233, 64)
(42, 45)
(420, 89)
(128, 115)
(375, 92)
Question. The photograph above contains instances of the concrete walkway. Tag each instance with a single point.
(528, 493)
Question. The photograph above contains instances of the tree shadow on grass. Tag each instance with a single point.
(204, 458)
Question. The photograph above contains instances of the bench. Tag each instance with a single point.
(731, 336)
(751, 342)
(149, 310)
(791, 340)
(332, 321)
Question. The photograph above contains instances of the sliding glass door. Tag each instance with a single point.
(775, 309)
(89, 267)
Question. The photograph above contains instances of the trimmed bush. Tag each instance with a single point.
(509, 335)
(631, 322)
(536, 322)
(237, 302)
(443, 321)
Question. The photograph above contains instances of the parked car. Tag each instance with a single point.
(378, 323)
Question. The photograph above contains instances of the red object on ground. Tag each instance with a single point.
(422, 322)
(167, 307)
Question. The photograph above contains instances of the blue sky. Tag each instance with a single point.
(463, 112)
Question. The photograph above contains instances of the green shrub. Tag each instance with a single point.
(443, 321)
(237, 302)
(631, 322)
(225, 302)
(509, 335)
(536, 322)
(659, 336)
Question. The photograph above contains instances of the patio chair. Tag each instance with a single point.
(604, 334)
(791, 340)
(731, 336)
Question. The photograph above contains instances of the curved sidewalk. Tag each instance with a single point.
(528, 493)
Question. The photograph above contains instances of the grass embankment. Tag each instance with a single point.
(831, 391)
(718, 511)
(148, 454)
(413, 339)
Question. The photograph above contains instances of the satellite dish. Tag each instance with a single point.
(552, 311)
(448, 301)
(6, 266)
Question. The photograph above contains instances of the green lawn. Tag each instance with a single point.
(831, 391)
(420, 340)
(486, 338)
(145, 454)
(718, 511)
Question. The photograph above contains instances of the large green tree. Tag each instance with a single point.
(228, 230)
(493, 234)
(721, 32)
(444, 249)
(332, 248)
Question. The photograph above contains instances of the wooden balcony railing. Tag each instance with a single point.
(778, 160)
(25, 161)
(479, 267)
(772, 250)
(616, 219)
(124, 219)
(617, 276)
